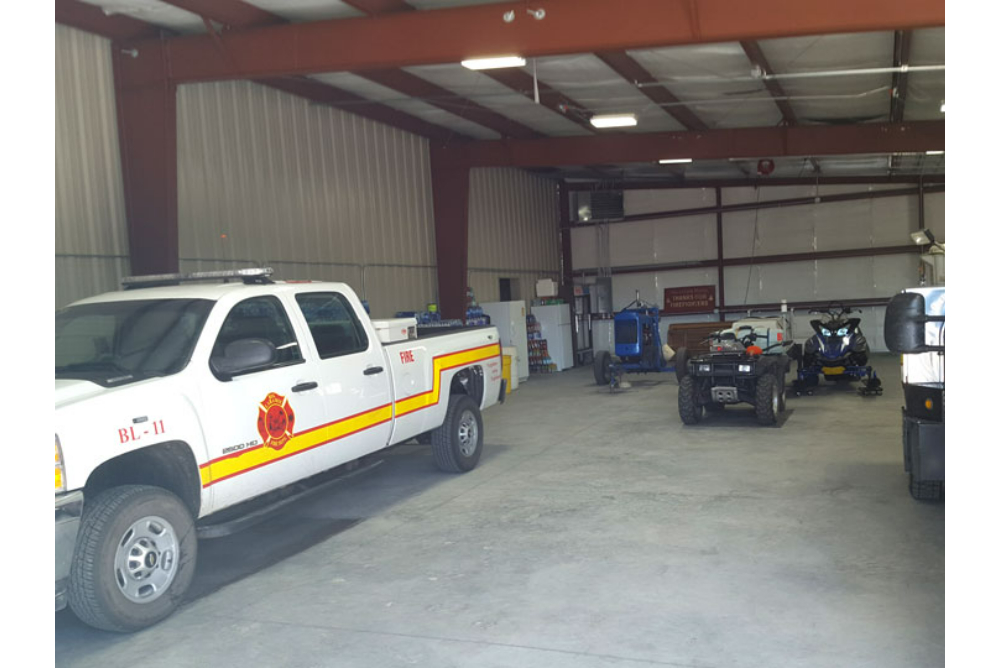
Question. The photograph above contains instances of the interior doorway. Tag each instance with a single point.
(510, 289)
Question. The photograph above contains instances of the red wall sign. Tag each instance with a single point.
(692, 299)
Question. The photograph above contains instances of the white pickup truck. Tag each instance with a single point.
(175, 402)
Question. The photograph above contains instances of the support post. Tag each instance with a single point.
(147, 137)
(450, 193)
(718, 240)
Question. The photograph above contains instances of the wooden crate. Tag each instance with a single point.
(692, 335)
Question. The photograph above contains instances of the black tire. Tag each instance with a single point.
(767, 399)
(118, 524)
(687, 401)
(782, 393)
(681, 363)
(602, 367)
(715, 407)
(458, 443)
(926, 490)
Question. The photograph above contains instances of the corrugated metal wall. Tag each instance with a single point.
(269, 178)
(513, 231)
(854, 224)
(91, 241)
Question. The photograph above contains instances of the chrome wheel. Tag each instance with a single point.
(468, 434)
(146, 559)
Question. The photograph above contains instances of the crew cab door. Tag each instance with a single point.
(353, 376)
(254, 421)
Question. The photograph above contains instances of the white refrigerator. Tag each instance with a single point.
(557, 330)
(509, 319)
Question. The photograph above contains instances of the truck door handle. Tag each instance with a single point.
(302, 387)
(372, 370)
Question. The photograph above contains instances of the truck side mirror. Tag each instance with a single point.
(243, 356)
(905, 320)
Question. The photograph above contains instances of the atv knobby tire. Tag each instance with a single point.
(768, 399)
(687, 401)
(681, 363)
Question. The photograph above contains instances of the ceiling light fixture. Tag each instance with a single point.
(494, 63)
(674, 161)
(613, 120)
(935, 152)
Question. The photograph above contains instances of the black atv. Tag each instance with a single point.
(733, 371)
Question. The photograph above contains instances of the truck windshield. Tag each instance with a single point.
(115, 343)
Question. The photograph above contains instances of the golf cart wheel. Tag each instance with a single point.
(681, 363)
(687, 402)
(602, 367)
(926, 490)
(768, 399)
(715, 407)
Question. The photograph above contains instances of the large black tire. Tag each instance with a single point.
(767, 399)
(458, 443)
(135, 558)
(687, 401)
(681, 363)
(926, 490)
(602, 367)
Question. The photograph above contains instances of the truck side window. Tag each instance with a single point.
(332, 322)
(261, 318)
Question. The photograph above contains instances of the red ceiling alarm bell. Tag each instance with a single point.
(765, 167)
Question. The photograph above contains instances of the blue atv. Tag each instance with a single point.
(838, 351)
(638, 347)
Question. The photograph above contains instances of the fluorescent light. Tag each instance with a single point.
(935, 152)
(493, 63)
(942, 107)
(613, 120)
(674, 161)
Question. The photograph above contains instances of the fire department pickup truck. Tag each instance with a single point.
(177, 401)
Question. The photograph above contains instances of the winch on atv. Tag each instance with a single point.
(734, 370)
(838, 351)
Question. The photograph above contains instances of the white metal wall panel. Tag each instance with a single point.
(934, 214)
(91, 239)
(314, 192)
(513, 231)
(663, 241)
(637, 202)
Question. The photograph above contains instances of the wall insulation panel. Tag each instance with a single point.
(91, 239)
(270, 178)
(513, 231)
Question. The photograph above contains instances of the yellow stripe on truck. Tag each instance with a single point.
(228, 466)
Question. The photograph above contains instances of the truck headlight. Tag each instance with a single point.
(745, 368)
(60, 469)
(704, 368)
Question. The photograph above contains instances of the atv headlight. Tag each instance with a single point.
(704, 368)
(745, 368)
(842, 331)
(824, 331)
(60, 469)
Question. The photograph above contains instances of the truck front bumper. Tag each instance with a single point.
(69, 509)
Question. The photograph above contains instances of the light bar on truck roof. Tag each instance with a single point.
(251, 275)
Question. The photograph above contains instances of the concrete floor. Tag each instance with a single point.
(596, 531)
